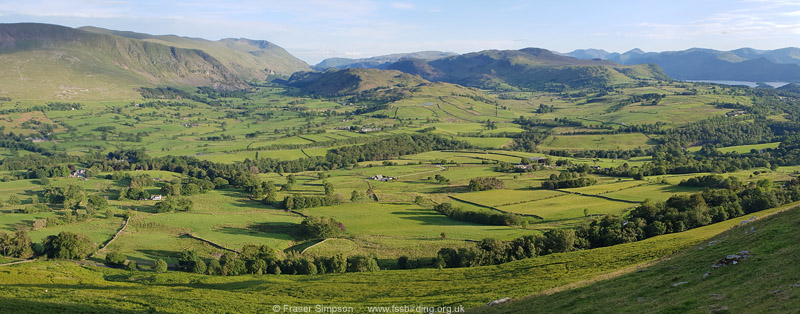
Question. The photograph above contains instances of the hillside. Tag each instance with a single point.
(745, 64)
(353, 81)
(379, 62)
(767, 281)
(249, 59)
(50, 61)
(529, 68)
(43, 61)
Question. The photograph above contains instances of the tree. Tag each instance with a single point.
(328, 188)
(132, 266)
(160, 266)
(97, 202)
(115, 259)
(14, 200)
(419, 200)
(355, 196)
(360, 263)
(68, 245)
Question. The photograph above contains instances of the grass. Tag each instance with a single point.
(767, 282)
(67, 287)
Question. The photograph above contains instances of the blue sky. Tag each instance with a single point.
(315, 29)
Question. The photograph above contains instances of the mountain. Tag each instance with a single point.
(355, 81)
(250, 59)
(529, 68)
(379, 62)
(56, 62)
(745, 64)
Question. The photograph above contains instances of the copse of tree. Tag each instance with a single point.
(567, 180)
(71, 197)
(392, 147)
(115, 259)
(298, 201)
(17, 244)
(479, 217)
(713, 181)
(321, 227)
(175, 204)
(97, 202)
(485, 184)
(68, 245)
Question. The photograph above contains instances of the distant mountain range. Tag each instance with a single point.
(66, 62)
(529, 68)
(379, 62)
(745, 64)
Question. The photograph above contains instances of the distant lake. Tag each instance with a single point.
(746, 83)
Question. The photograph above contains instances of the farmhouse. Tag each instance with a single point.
(80, 173)
(380, 177)
(735, 113)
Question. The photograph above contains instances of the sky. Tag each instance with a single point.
(313, 30)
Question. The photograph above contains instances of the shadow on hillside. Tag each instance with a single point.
(11, 305)
(159, 254)
(265, 230)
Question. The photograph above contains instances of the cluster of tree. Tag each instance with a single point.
(531, 123)
(70, 196)
(17, 244)
(684, 212)
(528, 140)
(174, 204)
(493, 252)
(393, 147)
(713, 181)
(566, 180)
(321, 227)
(299, 201)
(255, 259)
(545, 108)
(68, 245)
(485, 184)
(137, 193)
(480, 217)
(191, 186)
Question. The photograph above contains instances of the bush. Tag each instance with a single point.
(485, 184)
(160, 266)
(132, 266)
(68, 245)
(115, 259)
(321, 227)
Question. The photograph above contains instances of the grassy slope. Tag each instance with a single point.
(251, 59)
(67, 287)
(768, 282)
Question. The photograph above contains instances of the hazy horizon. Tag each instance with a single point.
(314, 30)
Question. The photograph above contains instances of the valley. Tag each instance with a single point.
(228, 175)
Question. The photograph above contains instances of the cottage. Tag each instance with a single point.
(80, 173)
(381, 178)
(156, 197)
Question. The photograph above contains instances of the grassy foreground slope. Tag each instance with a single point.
(769, 281)
(68, 287)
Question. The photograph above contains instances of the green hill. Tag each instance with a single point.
(529, 68)
(42, 61)
(355, 81)
(250, 59)
(768, 280)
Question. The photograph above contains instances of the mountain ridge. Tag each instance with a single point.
(743, 64)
